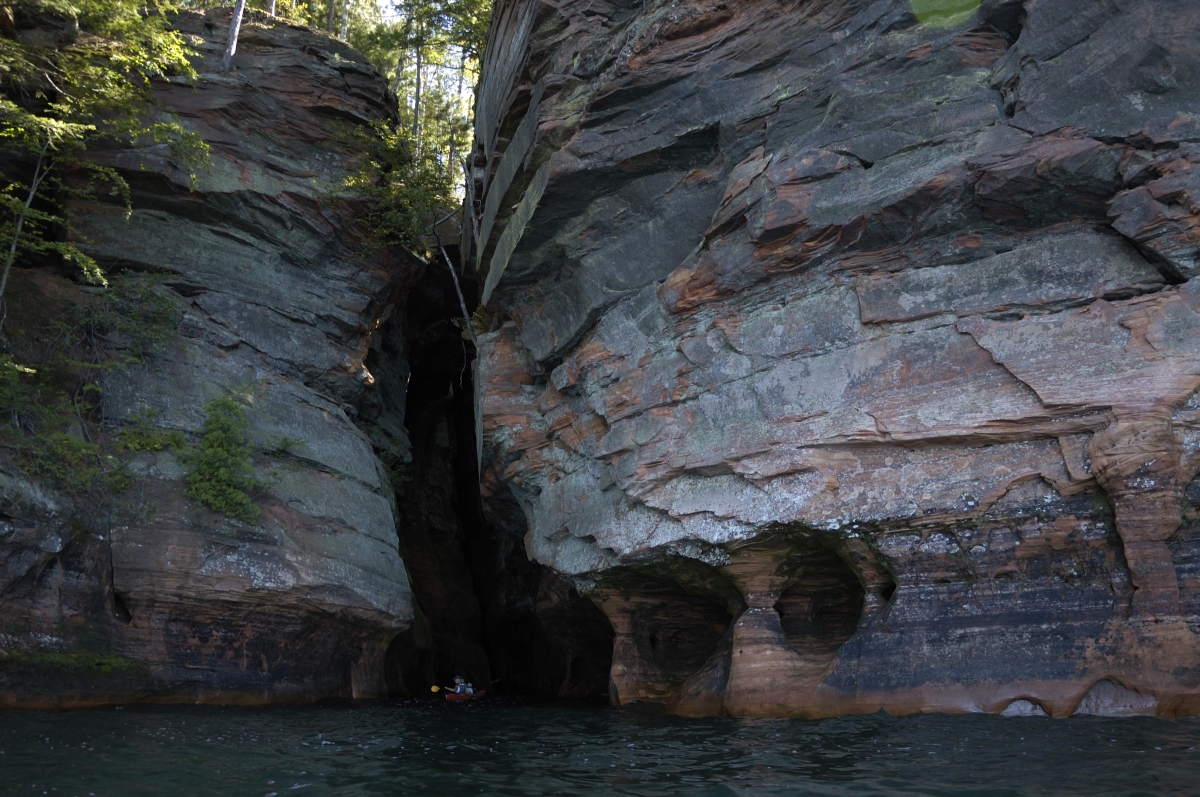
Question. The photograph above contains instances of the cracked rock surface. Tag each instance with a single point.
(849, 360)
(265, 261)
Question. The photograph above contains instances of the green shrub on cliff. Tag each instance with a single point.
(429, 50)
(222, 476)
(73, 463)
(103, 329)
(141, 434)
(406, 191)
(14, 398)
(50, 394)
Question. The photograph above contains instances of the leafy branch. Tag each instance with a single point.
(87, 77)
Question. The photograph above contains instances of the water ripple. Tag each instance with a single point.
(427, 748)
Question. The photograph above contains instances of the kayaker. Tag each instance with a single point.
(470, 689)
(460, 685)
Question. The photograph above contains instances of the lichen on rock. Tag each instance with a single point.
(895, 316)
(264, 261)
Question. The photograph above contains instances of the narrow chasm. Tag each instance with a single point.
(483, 609)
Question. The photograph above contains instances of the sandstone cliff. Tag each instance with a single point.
(155, 597)
(846, 358)
(370, 571)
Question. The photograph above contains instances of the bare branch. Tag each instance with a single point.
(39, 173)
(462, 303)
(235, 26)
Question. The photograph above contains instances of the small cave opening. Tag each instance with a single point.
(669, 627)
(888, 590)
(120, 609)
(1006, 16)
(822, 603)
(678, 632)
(482, 609)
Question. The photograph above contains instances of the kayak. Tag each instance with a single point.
(451, 696)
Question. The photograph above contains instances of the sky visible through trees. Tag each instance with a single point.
(87, 72)
(77, 74)
(429, 51)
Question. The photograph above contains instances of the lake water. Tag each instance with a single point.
(428, 748)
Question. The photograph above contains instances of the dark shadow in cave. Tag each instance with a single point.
(822, 603)
(672, 619)
(483, 610)
(677, 632)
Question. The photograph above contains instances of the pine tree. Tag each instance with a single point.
(94, 82)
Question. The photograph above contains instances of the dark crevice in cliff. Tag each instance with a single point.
(1168, 270)
(120, 610)
(1006, 16)
(483, 609)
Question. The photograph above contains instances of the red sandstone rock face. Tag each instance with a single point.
(851, 362)
(278, 298)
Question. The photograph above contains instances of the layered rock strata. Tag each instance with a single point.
(265, 260)
(847, 352)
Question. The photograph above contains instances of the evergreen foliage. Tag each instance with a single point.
(407, 191)
(141, 434)
(117, 327)
(49, 400)
(429, 50)
(222, 476)
(73, 73)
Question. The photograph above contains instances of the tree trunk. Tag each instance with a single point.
(271, 7)
(462, 68)
(345, 20)
(235, 25)
(399, 73)
(408, 20)
(39, 174)
(416, 130)
(462, 304)
(329, 19)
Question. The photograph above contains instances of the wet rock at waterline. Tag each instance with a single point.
(153, 596)
(847, 358)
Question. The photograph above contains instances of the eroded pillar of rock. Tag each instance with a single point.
(623, 675)
(631, 677)
(703, 695)
(766, 673)
(1136, 461)
(878, 582)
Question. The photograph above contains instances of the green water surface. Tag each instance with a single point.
(430, 748)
